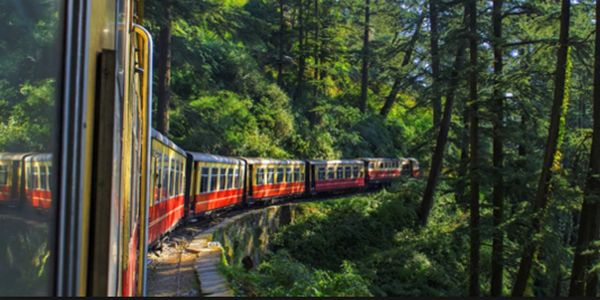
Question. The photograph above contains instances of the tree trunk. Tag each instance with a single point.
(316, 47)
(474, 145)
(391, 98)
(588, 227)
(498, 155)
(541, 199)
(280, 52)
(302, 53)
(435, 64)
(364, 82)
(164, 72)
(442, 137)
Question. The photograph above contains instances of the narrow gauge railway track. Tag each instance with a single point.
(171, 266)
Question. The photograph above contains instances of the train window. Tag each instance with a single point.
(214, 179)
(288, 175)
(229, 178)
(297, 177)
(330, 173)
(381, 165)
(204, 180)
(3, 175)
(171, 178)
(270, 176)
(321, 173)
(223, 179)
(43, 178)
(31, 51)
(260, 176)
(348, 172)
(355, 172)
(371, 165)
(340, 172)
(280, 175)
(49, 178)
(236, 178)
(36, 177)
(176, 179)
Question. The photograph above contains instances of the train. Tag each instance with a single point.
(84, 195)
(186, 184)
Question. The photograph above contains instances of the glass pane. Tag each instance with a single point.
(270, 177)
(30, 64)
(229, 178)
(204, 181)
(260, 176)
(214, 177)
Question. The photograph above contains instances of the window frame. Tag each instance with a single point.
(260, 176)
(203, 177)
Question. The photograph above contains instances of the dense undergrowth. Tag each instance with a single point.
(364, 245)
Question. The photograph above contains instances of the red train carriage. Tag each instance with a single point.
(382, 170)
(168, 178)
(11, 182)
(274, 178)
(38, 171)
(331, 175)
(216, 182)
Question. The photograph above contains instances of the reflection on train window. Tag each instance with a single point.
(260, 176)
(3, 175)
(214, 178)
(43, 178)
(229, 178)
(30, 56)
(270, 176)
(204, 180)
(321, 173)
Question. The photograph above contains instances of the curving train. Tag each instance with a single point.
(190, 184)
(187, 184)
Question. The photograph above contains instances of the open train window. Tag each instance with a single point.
(214, 178)
(280, 175)
(229, 178)
(270, 176)
(288, 175)
(348, 172)
(3, 175)
(204, 180)
(260, 176)
(223, 179)
(340, 172)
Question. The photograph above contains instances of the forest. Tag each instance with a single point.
(498, 100)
